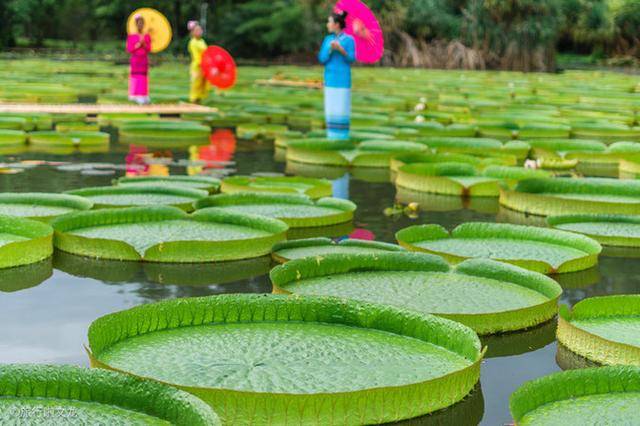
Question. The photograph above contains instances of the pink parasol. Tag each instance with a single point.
(365, 29)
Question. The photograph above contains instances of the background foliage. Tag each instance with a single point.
(508, 34)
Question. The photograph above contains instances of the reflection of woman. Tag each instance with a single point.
(199, 85)
(139, 46)
(337, 53)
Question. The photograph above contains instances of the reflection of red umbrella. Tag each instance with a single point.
(218, 67)
(364, 27)
(221, 149)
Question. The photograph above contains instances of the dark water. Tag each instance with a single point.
(45, 309)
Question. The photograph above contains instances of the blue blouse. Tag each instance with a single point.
(337, 67)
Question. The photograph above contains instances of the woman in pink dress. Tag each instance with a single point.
(139, 46)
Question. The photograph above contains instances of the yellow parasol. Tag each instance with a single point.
(156, 24)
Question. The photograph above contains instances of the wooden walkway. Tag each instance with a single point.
(94, 109)
(290, 83)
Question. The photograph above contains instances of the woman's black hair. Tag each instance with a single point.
(340, 18)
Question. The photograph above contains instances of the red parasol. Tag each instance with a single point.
(365, 29)
(218, 67)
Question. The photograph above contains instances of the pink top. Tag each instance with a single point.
(139, 56)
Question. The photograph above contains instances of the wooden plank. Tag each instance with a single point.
(274, 82)
(93, 109)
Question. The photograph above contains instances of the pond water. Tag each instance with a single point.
(45, 309)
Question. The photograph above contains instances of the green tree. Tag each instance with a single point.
(627, 21)
(7, 38)
(595, 24)
(514, 34)
(434, 19)
(266, 29)
(38, 18)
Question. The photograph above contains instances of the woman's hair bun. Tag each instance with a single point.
(340, 17)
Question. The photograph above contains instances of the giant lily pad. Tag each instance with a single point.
(542, 130)
(310, 358)
(268, 113)
(607, 131)
(603, 329)
(505, 215)
(117, 119)
(395, 132)
(522, 125)
(358, 136)
(477, 162)
(589, 397)
(205, 183)
(68, 117)
(282, 139)
(38, 92)
(447, 179)
(40, 205)
(66, 395)
(612, 230)
(373, 153)
(551, 162)
(260, 130)
(605, 163)
(318, 247)
(297, 211)
(79, 126)
(68, 138)
(340, 230)
(23, 241)
(560, 196)
(433, 129)
(461, 178)
(314, 188)
(511, 175)
(558, 149)
(136, 195)
(143, 131)
(612, 154)
(485, 295)
(225, 119)
(12, 137)
(167, 234)
(478, 146)
(537, 249)
(12, 123)
(32, 121)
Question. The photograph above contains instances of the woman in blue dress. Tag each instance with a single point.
(337, 53)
